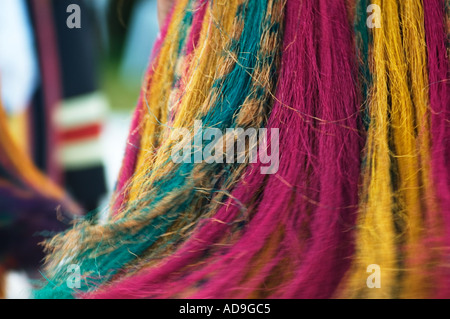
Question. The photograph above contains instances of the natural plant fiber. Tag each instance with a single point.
(359, 116)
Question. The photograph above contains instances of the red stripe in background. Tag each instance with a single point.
(81, 133)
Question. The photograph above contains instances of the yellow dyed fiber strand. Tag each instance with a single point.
(207, 65)
(22, 164)
(390, 223)
(157, 99)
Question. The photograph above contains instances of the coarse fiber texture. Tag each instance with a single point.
(359, 116)
(164, 196)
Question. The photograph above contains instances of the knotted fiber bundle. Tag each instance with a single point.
(362, 139)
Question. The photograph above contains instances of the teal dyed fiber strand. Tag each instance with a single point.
(235, 86)
(363, 40)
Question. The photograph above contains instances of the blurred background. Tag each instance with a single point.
(70, 80)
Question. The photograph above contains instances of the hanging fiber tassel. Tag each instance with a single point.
(356, 121)
(398, 228)
(165, 197)
(253, 246)
(438, 86)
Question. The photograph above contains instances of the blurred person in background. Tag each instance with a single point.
(54, 97)
(52, 94)
(53, 120)
(32, 208)
(69, 108)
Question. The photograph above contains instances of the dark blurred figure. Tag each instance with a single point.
(61, 126)
(32, 208)
(68, 108)
(119, 17)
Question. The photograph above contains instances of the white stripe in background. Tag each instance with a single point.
(80, 111)
(18, 285)
(81, 154)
